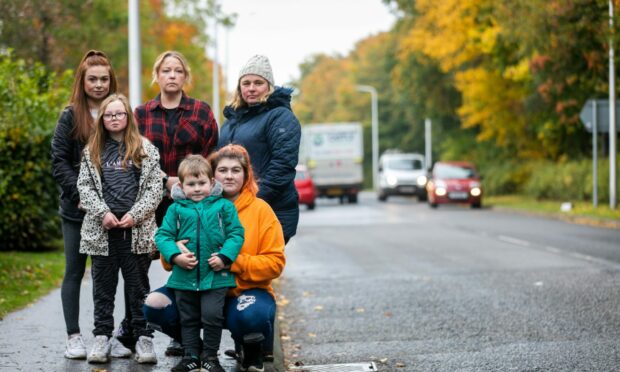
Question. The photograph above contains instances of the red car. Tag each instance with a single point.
(454, 182)
(305, 187)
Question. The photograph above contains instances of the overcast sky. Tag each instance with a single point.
(289, 31)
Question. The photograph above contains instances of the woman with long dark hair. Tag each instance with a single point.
(94, 81)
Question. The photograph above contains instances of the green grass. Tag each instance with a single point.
(582, 212)
(26, 276)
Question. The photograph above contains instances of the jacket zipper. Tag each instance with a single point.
(198, 251)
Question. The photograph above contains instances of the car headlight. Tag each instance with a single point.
(440, 191)
(475, 191)
(421, 180)
(391, 180)
(474, 184)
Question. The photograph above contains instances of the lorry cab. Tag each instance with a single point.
(402, 174)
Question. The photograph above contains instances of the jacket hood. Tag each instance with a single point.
(244, 200)
(281, 97)
(178, 195)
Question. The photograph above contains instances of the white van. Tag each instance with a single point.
(402, 174)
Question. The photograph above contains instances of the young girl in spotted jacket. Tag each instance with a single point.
(120, 187)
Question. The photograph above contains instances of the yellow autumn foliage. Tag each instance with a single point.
(494, 104)
(461, 36)
(449, 32)
(323, 91)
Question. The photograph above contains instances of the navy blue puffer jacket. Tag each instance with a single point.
(271, 134)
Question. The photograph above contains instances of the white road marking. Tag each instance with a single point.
(582, 256)
(552, 249)
(512, 240)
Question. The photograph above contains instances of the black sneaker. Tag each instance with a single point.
(233, 354)
(267, 356)
(174, 348)
(187, 364)
(124, 334)
(211, 364)
(252, 358)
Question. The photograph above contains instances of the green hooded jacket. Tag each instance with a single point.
(211, 226)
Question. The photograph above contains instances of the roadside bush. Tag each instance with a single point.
(571, 180)
(30, 101)
(544, 179)
(506, 177)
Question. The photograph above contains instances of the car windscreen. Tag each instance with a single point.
(453, 171)
(405, 164)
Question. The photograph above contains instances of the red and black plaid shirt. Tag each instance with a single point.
(195, 133)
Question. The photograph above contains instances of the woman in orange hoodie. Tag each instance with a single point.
(250, 307)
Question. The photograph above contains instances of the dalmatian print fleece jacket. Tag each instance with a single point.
(94, 240)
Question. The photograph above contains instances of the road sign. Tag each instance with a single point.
(602, 115)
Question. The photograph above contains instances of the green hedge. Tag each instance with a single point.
(564, 181)
(30, 101)
(568, 181)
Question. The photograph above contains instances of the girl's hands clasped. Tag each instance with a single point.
(126, 222)
(109, 221)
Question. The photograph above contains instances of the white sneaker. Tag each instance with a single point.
(100, 351)
(145, 352)
(75, 347)
(118, 350)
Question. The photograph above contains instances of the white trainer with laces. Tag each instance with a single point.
(100, 351)
(75, 347)
(145, 351)
(118, 350)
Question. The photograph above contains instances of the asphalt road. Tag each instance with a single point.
(408, 289)
(452, 289)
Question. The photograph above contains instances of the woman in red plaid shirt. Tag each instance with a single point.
(177, 125)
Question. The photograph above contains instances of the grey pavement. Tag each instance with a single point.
(33, 339)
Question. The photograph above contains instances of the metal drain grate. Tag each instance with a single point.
(349, 367)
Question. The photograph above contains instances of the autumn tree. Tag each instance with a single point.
(325, 90)
(565, 43)
(57, 33)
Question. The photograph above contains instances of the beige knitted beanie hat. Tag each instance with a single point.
(258, 65)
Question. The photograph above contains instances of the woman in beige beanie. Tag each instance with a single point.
(260, 118)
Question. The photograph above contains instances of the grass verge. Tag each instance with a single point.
(581, 212)
(26, 276)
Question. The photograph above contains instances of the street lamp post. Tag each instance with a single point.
(612, 114)
(135, 63)
(375, 130)
(216, 77)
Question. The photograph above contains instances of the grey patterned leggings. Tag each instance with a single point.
(134, 268)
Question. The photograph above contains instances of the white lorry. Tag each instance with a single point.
(334, 153)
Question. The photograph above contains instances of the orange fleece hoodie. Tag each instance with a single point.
(261, 258)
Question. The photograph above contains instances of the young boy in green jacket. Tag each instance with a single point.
(200, 277)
